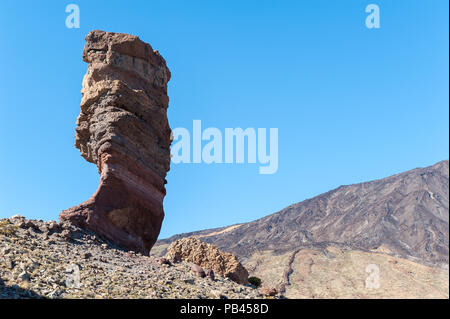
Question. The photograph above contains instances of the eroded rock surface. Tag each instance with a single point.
(123, 129)
(208, 256)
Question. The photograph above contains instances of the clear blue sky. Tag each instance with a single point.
(351, 104)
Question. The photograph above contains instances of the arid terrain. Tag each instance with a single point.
(327, 246)
(382, 239)
(59, 260)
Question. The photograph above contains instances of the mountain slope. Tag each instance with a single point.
(407, 213)
(399, 223)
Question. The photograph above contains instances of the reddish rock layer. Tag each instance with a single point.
(123, 129)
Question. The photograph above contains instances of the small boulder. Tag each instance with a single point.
(196, 269)
(268, 291)
(217, 294)
(10, 264)
(86, 255)
(66, 234)
(24, 276)
(53, 227)
(17, 218)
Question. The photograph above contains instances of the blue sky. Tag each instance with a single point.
(351, 104)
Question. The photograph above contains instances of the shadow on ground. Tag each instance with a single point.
(16, 292)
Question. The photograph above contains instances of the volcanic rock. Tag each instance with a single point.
(208, 256)
(268, 291)
(123, 129)
(196, 269)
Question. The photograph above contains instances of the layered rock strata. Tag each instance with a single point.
(124, 130)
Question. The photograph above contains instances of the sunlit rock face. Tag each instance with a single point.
(123, 129)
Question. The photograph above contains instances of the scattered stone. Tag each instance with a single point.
(210, 274)
(86, 255)
(17, 216)
(217, 294)
(268, 291)
(196, 269)
(57, 268)
(24, 276)
(9, 264)
(53, 227)
(164, 261)
(66, 234)
(189, 281)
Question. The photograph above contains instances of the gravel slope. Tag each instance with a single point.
(52, 260)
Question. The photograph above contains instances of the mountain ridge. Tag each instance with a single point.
(405, 213)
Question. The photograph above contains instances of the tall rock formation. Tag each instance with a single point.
(123, 129)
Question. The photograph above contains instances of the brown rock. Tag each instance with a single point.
(66, 234)
(208, 256)
(268, 291)
(198, 270)
(163, 261)
(86, 255)
(123, 129)
(53, 227)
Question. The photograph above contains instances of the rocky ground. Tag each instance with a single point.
(334, 271)
(342, 272)
(58, 260)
